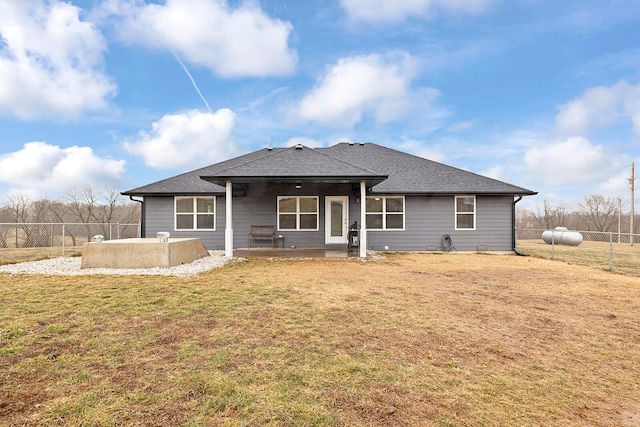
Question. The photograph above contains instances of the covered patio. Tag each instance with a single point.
(296, 253)
(335, 182)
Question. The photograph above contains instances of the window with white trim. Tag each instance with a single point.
(385, 213)
(298, 213)
(195, 213)
(465, 212)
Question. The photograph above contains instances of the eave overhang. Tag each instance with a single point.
(370, 180)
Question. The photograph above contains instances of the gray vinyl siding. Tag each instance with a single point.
(427, 219)
(160, 217)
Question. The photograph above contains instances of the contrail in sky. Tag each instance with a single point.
(193, 82)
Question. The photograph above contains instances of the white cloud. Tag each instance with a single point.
(495, 172)
(571, 161)
(51, 62)
(600, 106)
(398, 10)
(186, 140)
(616, 185)
(368, 84)
(230, 42)
(39, 166)
(460, 126)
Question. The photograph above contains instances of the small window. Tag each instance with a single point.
(195, 213)
(385, 213)
(465, 212)
(298, 213)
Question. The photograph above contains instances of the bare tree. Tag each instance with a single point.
(105, 213)
(5, 216)
(550, 216)
(600, 213)
(40, 235)
(82, 205)
(129, 213)
(18, 206)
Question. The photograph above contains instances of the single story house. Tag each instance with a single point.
(312, 197)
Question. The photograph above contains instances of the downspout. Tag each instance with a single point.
(513, 226)
(142, 214)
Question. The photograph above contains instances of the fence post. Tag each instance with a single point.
(63, 238)
(553, 245)
(610, 251)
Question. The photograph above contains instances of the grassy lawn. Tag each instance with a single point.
(626, 258)
(411, 339)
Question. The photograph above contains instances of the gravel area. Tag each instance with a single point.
(70, 266)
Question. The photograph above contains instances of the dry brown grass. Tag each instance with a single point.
(412, 339)
(619, 257)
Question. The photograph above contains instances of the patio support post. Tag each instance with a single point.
(363, 219)
(228, 231)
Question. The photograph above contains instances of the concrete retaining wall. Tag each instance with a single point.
(142, 253)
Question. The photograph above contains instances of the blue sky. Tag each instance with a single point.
(121, 93)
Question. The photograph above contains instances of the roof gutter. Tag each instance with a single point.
(513, 226)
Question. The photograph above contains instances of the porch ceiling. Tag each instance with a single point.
(244, 180)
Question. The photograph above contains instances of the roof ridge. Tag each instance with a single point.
(268, 152)
(297, 147)
(346, 162)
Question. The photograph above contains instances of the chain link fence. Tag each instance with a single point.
(33, 241)
(619, 252)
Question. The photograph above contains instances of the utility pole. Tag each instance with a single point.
(632, 181)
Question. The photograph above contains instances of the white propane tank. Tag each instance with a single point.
(163, 236)
(562, 236)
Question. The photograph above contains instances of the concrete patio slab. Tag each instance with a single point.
(294, 253)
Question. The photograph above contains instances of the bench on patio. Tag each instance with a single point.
(264, 232)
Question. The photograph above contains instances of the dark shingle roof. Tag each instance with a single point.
(411, 174)
(190, 182)
(295, 163)
(385, 169)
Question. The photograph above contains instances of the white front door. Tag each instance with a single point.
(336, 214)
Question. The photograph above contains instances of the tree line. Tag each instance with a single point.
(595, 213)
(85, 206)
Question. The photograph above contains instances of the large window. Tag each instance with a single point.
(195, 213)
(465, 212)
(385, 213)
(298, 213)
